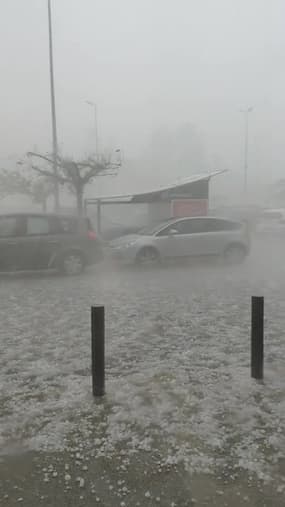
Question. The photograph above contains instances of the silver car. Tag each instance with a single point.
(184, 237)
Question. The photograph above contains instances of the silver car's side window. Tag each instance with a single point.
(179, 228)
(167, 231)
(190, 226)
(198, 225)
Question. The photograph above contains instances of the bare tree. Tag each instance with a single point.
(13, 182)
(76, 175)
(16, 182)
(41, 190)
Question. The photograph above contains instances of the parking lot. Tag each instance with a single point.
(182, 423)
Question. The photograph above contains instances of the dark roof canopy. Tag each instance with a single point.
(194, 187)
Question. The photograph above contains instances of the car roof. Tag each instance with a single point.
(39, 214)
(173, 220)
(207, 217)
(268, 211)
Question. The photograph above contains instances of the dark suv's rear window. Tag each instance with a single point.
(69, 225)
(37, 225)
(63, 225)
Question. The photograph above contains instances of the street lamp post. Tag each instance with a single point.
(53, 113)
(94, 106)
(246, 113)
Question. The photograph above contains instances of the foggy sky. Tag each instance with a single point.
(146, 63)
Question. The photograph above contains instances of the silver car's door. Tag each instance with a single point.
(190, 236)
(167, 241)
(207, 236)
(176, 240)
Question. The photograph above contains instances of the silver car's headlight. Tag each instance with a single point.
(131, 243)
(122, 245)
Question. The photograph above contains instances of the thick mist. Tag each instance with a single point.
(133, 371)
(153, 69)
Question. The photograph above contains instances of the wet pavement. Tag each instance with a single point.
(182, 422)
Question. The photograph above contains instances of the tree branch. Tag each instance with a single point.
(93, 173)
(43, 157)
(50, 175)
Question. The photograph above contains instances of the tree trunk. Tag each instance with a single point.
(79, 202)
(44, 205)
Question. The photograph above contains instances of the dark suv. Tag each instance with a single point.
(34, 241)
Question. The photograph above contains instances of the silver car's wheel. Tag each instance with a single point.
(235, 254)
(148, 256)
(72, 264)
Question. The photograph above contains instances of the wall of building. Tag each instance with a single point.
(159, 211)
(189, 207)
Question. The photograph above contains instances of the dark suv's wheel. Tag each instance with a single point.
(148, 256)
(235, 254)
(72, 264)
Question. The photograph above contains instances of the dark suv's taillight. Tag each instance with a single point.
(92, 235)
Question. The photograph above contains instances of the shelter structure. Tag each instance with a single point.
(184, 198)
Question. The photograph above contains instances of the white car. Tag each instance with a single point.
(184, 237)
(272, 221)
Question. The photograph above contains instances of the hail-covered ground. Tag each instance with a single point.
(182, 422)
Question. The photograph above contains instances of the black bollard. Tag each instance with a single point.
(257, 337)
(98, 350)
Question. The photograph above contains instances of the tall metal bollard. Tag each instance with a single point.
(98, 350)
(257, 337)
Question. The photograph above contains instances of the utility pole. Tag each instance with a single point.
(94, 106)
(53, 114)
(246, 113)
